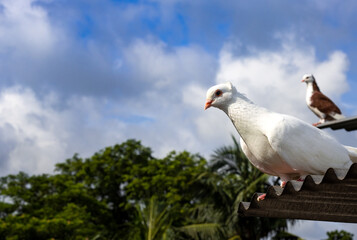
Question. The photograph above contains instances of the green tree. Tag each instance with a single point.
(43, 207)
(339, 235)
(126, 178)
(102, 196)
(106, 176)
(123, 192)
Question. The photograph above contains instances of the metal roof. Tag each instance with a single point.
(348, 123)
(328, 197)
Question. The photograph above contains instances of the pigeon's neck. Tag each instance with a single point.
(312, 87)
(315, 87)
(245, 115)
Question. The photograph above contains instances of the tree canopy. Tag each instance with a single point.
(123, 192)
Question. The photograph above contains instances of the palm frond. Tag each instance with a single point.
(152, 220)
(251, 188)
(235, 237)
(203, 230)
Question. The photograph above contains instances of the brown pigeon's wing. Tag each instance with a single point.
(323, 103)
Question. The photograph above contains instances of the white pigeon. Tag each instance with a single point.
(278, 144)
(320, 104)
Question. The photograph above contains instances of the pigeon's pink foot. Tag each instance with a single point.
(315, 124)
(261, 197)
(282, 184)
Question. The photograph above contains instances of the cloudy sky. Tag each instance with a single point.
(77, 76)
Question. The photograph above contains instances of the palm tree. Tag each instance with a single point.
(231, 179)
(152, 221)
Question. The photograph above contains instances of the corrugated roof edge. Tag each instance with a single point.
(328, 197)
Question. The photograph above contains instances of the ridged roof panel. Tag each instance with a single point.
(328, 197)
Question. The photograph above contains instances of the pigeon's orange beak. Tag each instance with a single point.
(303, 80)
(208, 103)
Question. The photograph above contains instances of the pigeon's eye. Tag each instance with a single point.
(218, 93)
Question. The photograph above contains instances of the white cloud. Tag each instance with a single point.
(316, 230)
(33, 128)
(36, 134)
(333, 75)
(272, 78)
(161, 66)
(42, 130)
(25, 26)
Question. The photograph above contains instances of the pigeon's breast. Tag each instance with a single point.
(264, 157)
(317, 112)
(309, 92)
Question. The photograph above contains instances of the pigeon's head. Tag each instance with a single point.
(308, 78)
(219, 95)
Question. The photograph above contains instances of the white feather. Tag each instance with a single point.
(352, 153)
(337, 116)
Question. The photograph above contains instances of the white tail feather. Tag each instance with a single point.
(337, 116)
(352, 153)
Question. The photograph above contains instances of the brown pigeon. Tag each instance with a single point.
(318, 103)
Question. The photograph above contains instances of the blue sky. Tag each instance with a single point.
(81, 75)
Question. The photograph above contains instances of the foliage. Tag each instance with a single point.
(339, 235)
(43, 207)
(123, 192)
(98, 197)
(231, 179)
(152, 221)
(286, 236)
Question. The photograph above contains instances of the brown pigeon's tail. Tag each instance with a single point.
(352, 153)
